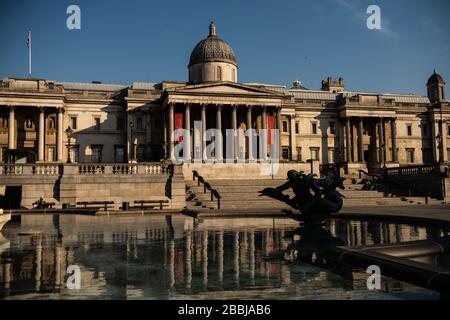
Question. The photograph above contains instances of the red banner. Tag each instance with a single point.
(270, 127)
(179, 124)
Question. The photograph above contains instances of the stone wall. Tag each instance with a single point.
(76, 183)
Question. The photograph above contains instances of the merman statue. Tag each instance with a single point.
(315, 199)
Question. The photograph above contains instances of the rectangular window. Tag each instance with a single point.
(119, 154)
(96, 156)
(448, 154)
(51, 123)
(120, 124)
(331, 155)
(73, 154)
(448, 129)
(409, 130)
(140, 153)
(285, 126)
(410, 155)
(299, 154)
(3, 154)
(73, 122)
(332, 128)
(315, 154)
(139, 123)
(3, 122)
(297, 128)
(285, 153)
(51, 154)
(314, 128)
(97, 123)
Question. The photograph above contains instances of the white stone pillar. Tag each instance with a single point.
(204, 132)
(187, 127)
(360, 140)
(249, 138)
(171, 129)
(394, 140)
(41, 141)
(278, 119)
(234, 127)
(219, 138)
(11, 128)
(382, 146)
(347, 140)
(59, 137)
(294, 156)
(264, 137)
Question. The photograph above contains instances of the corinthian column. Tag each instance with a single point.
(219, 152)
(187, 126)
(249, 136)
(11, 128)
(59, 137)
(41, 141)
(171, 130)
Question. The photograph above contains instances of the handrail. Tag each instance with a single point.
(207, 186)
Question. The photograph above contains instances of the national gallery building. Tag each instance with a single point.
(43, 121)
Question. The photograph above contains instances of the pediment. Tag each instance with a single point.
(223, 89)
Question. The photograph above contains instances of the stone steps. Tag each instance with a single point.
(244, 194)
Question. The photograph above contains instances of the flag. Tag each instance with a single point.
(28, 39)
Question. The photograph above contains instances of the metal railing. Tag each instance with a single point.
(207, 187)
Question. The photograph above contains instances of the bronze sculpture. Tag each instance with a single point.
(315, 199)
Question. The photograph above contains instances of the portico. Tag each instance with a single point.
(221, 106)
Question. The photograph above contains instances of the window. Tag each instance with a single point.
(120, 124)
(219, 73)
(332, 128)
(331, 155)
(314, 128)
(140, 153)
(410, 155)
(315, 154)
(285, 154)
(73, 122)
(73, 154)
(299, 154)
(51, 153)
(3, 153)
(297, 129)
(97, 123)
(448, 129)
(3, 122)
(139, 123)
(425, 130)
(96, 156)
(119, 154)
(448, 154)
(409, 130)
(285, 126)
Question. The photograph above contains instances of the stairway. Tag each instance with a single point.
(244, 195)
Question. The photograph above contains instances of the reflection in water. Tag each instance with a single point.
(177, 257)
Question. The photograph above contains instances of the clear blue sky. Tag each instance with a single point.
(274, 41)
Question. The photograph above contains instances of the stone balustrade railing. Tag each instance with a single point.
(83, 169)
(412, 170)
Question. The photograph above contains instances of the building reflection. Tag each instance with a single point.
(164, 259)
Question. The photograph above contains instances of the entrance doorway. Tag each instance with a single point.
(12, 198)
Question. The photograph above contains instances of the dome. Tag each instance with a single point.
(435, 79)
(212, 49)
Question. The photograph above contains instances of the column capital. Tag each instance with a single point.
(11, 107)
(60, 109)
(41, 109)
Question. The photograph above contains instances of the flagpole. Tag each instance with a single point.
(29, 54)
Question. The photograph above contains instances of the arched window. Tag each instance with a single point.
(233, 71)
(219, 73)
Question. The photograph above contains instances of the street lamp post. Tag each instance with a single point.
(69, 133)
